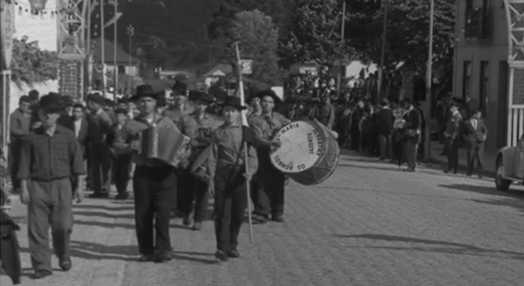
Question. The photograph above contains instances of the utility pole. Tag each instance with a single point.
(115, 66)
(130, 32)
(102, 45)
(341, 66)
(429, 81)
(383, 51)
(88, 67)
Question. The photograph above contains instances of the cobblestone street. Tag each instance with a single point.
(369, 224)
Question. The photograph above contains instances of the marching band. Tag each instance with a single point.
(205, 155)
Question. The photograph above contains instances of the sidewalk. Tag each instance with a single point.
(489, 159)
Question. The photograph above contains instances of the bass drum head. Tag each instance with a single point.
(301, 148)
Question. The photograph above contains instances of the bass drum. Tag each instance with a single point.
(309, 153)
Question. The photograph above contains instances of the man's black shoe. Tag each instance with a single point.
(279, 218)
(66, 264)
(221, 255)
(162, 256)
(233, 253)
(187, 220)
(121, 196)
(146, 258)
(42, 274)
(99, 196)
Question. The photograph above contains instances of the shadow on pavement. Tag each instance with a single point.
(439, 246)
(506, 202)
(116, 207)
(393, 168)
(95, 251)
(130, 225)
(484, 190)
(104, 214)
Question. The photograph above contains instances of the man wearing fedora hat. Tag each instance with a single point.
(269, 196)
(50, 156)
(100, 124)
(228, 178)
(198, 126)
(154, 182)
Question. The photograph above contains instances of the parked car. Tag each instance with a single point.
(510, 165)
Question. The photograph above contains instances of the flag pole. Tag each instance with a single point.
(246, 161)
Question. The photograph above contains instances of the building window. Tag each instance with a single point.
(466, 81)
(486, 22)
(484, 87)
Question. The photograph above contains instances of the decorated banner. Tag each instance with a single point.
(37, 5)
(7, 29)
(70, 80)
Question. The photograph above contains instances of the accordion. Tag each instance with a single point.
(166, 144)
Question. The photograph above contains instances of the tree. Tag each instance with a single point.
(223, 19)
(316, 35)
(258, 40)
(407, 31)
(32, 65)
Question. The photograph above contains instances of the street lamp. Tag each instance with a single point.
(130, 32)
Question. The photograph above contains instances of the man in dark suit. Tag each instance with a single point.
(19, 127)
(413, 134)
(80, 128)
(99, 153)
(453, 130)
(385, 127)
(475, 134)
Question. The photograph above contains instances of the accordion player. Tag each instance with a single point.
(166, 144)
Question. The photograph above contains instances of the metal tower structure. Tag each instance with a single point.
(71, 46)
(515, 22)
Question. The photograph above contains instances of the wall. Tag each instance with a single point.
(494, 51)
(45, 31)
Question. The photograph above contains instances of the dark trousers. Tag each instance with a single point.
(445, 150)
(273, 183)
(386, 146)
(475, 151)
(50, 205)
(229, 207)
(355, 139)
(410, 153)
(100, 157)
(194, 196)
(453, 154)
(121, 169)
(153, 188)
(260, 198)
(15, 149)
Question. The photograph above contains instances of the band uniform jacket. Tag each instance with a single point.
(474, 136)
(413, 122)
(19, 125)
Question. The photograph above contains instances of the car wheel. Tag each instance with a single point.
(501, 183)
